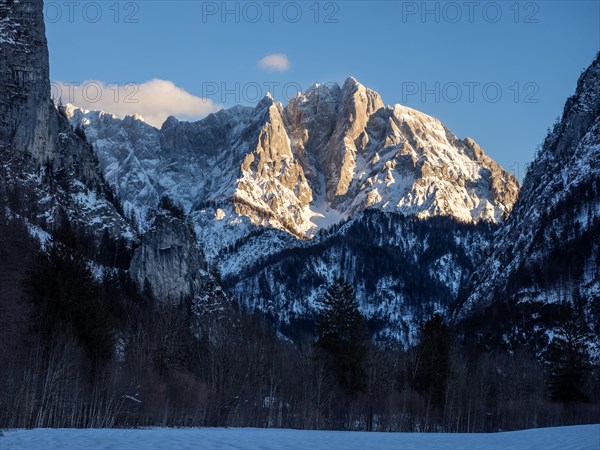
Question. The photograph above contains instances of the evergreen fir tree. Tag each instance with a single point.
(433, 361)
(568, 359)
(342, 335)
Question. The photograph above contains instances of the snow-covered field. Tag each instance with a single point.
(583, 437)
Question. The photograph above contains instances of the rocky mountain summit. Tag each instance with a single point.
(325, 157)
(278, 196)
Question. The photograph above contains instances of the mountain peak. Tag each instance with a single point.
(329, 154)
(352, 85)
(266, 102)
(170, 122)
(583, 108)
(351, 81)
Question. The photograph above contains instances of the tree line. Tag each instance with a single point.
(76, 351)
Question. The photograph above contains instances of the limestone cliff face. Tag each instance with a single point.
(39, 150)
(170, 261)
(24, 77)
(503, 190)
(311, 118)
(29, 120)
(272, 189)
(326, 156)
(350, 138)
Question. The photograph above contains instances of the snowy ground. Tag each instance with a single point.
(560, 438)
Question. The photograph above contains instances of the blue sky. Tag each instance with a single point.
(498, 72)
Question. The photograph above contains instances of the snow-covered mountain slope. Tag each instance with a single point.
(403, 269)
(548, 252)
(325, 157)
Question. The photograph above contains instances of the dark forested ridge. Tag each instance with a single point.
(402, 268)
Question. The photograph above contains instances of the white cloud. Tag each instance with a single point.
(277, 61)
(154, 100)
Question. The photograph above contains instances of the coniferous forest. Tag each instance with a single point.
(77, 352)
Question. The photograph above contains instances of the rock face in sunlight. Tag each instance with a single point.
(328, 155)
(260, 183)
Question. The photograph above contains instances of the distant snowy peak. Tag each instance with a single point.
(327, 155)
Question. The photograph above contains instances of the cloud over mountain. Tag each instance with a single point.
(154, 100)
